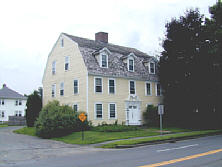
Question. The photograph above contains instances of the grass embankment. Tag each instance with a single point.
(160, 138)
(92, 137)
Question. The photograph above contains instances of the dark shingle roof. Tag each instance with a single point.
(117, 67)
(7, 93)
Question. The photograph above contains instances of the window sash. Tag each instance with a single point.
(98, 85)
(53, 67)
(158, 90)
(152, 68)
(75, 86)
(112, 110)
(66, 63)
(148, 88)
(132, 87)
(99, 109)
(53, 90)
(131, 67)
(75, 107)
(62, 89)
(104, 60)
(112, 86)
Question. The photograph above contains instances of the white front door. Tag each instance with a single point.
(133, 115)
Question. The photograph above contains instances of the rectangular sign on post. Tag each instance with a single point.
(161, 112)
(160, 109)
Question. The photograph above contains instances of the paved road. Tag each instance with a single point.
(55, 154)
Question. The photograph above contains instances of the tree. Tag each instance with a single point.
(34, 106)
(180, 67)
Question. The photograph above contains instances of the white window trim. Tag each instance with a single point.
(77, 87)
(67, 62)
(150, 67)
(114, 86)
(134, 86)
(95, 111)
(109, 112)
(150, 88)
(130, 58)
(160, 90)
(100, 57)
(77, 106)
(95, 85)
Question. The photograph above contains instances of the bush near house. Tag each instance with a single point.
(56, 121)
(151, 117)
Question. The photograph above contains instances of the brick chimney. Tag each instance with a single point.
(102, 37)
(4, 85)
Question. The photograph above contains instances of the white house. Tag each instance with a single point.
(11, 104)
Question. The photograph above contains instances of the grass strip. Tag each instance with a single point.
(159, 138)
(26, 131)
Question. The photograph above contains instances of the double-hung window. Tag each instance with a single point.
(62, 43)
(2, 114)
(98, 85)
(62, 89)
(75, 87)
(131, 65)
(132, 87)
(53, 67)
(152, 68)
(98, 111)
(75, 107)
(16, 102)
(2, 102)
(148, 89)
(104, 61)
(66, 63)
(20, 102)
(111, 86)
(53, 90)
(112, 111)
(158, 90)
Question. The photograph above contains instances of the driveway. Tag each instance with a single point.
(15, 147)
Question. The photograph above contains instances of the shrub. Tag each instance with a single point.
(150, 116)
(56, 121)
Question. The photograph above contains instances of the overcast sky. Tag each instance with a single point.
(30, 28)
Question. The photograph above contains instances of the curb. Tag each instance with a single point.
(173, 140)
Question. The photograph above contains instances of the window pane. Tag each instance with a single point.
(132, 87)
(152, 68)
(111, 86)
(75, 107)
(98, 85)
(148, 89)
(131, 65)
(75, 86)
(158, 90)
(104, 61)
(98, 110)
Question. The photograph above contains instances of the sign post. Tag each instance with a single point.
(161, 112)
(82, 118)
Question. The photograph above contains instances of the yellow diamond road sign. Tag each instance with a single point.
(82, 117)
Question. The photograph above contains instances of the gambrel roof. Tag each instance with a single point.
(117, 67)
(7, 93)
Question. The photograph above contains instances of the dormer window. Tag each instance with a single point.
(104, 61)
(131, 64)
(152, 68)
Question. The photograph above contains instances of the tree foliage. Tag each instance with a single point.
(188, 73)
(34, 106)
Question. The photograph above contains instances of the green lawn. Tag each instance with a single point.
(159, 138)
(3, 125)
(92, 137)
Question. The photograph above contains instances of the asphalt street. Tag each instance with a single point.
(201, 152)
